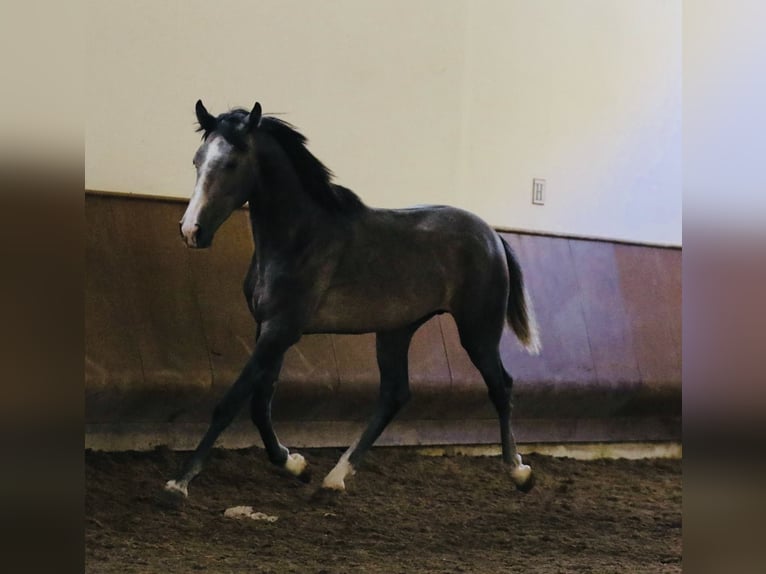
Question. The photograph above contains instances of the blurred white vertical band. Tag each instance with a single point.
(724, 84)
(41, 58)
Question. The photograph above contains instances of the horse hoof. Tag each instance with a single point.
(528, 484)
(335, 479)
(172, 496)
(297, 466)
(333, 484)
(176, 488)
(522, 476)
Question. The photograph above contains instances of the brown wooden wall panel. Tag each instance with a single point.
(430, 379)
(357, 365)
(157, 275)
(460, 365)
(168, 329)
(608, 325)
(112, 357)
(358, 374)
(467, 389)
(217, 275)
(651, 317)
(552, 283)
(308, 384)
(312, 359)
(524, 368)
(669, 292)
(428, 359)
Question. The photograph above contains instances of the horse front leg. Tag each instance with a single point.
(260, 412)
(223, 414)
(260, 371)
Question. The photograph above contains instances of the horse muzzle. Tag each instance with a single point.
(193, 236)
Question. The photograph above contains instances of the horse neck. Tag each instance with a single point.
(281, 212)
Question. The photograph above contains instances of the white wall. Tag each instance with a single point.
(440, 101)
(725, 115)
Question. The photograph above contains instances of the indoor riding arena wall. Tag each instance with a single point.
(167, 330)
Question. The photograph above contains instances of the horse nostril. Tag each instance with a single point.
(181, 228)
(190, 233)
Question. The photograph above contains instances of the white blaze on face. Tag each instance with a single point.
(190, 221)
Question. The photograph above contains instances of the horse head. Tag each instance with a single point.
(226, 172)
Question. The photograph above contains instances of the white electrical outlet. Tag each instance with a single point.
(538, 191)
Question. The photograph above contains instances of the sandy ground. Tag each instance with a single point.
(402, 512)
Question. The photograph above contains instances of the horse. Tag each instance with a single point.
(325, 262)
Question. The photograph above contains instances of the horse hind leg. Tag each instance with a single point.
(485, 355)
(521, 473)
(392, 348)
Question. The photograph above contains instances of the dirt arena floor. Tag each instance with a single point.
(402, 512)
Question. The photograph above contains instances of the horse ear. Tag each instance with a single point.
(255, 116)
(206, 121)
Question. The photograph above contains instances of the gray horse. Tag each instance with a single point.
(325, 262)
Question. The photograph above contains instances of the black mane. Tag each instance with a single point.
(314, 176)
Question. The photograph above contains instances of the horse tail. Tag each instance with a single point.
(521, 315)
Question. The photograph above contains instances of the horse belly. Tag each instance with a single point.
(352, 311)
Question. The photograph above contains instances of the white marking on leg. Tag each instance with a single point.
(177, 487)
(295, 464)
(336, 477)
(520, 472)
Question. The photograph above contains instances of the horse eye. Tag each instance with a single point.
(230, 165)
